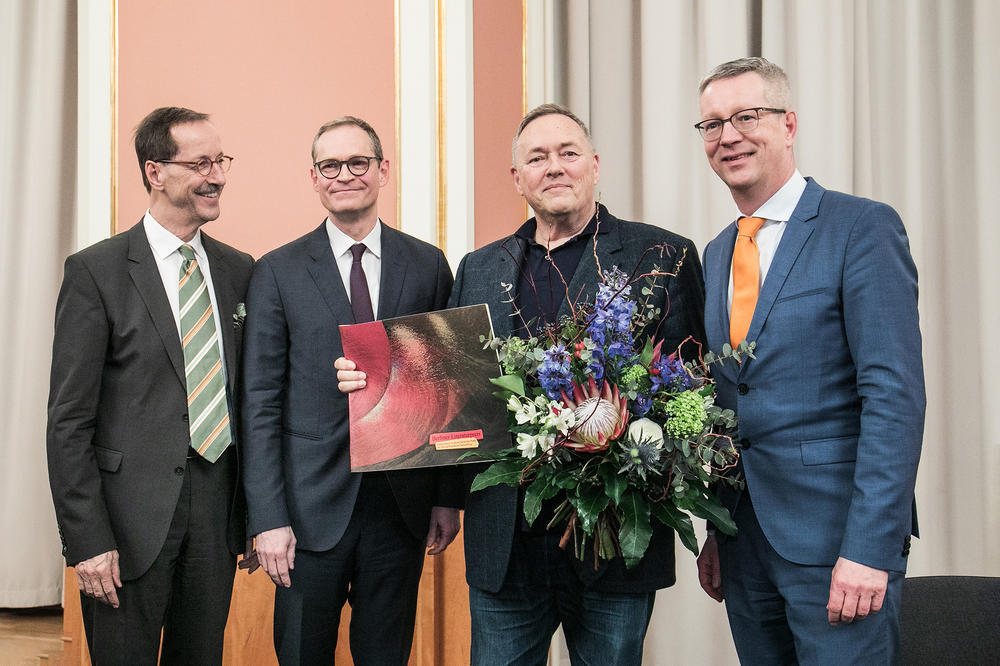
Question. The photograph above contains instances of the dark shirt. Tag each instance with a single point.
(542, 286)
(541, 289)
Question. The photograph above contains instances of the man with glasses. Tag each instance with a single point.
(831, 407)
(325, 535)
(141, 443)
(522, 585)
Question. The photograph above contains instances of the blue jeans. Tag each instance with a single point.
(541, 591)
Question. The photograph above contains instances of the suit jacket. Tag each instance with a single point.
(832, 409)
(118, 433)
(297, 467)
(492, 515)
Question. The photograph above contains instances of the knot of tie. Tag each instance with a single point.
(357, 250)
(749, 226)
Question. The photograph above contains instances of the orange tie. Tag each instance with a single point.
(746, 279)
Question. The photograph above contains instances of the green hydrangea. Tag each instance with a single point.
(632, 376)
(687, 415)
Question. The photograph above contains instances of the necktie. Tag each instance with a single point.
(746, 279)
(208, 409)
(361, 300)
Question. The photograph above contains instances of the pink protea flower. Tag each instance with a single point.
(601, 416)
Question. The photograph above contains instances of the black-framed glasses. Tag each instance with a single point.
(204, 165)
(357, 165)
(743, 121)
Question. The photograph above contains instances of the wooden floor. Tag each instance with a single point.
(31, 636)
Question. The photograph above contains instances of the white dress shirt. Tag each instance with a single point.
(371, 260)
(166, 252)
(776, 211)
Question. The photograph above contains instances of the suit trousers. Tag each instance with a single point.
(187, 589)
(375, 567)
(777, 608)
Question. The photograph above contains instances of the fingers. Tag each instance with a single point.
(349, 378)
(856, 591)
(100, 578)
(709, 569)
(443, 529)
(276, 551)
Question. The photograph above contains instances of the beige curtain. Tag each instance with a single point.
(897, 100)
(38, 135)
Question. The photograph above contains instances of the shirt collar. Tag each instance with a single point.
(782, 203)
(163, 243)
(341, 242)
(527, 230)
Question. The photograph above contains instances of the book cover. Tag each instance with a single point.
(428, 397)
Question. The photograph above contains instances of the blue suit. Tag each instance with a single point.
(832, 408)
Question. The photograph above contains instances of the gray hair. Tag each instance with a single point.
(356, 122)
(547, 110)
(777, 88)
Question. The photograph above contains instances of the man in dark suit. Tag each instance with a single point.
(522, 585)
(142, 454)
(831, 409)
(325, 535)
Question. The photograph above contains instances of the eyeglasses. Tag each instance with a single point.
(357, 165)
(204, 165)
(742, 121)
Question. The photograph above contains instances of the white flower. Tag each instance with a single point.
(527, 414)
(560, 417)
(527, 444)
(513, 404)
(644, 430)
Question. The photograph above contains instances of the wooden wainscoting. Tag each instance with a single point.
(441, 635)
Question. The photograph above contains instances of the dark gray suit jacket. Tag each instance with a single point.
(297, 456)
(491, 515)
(117, 415)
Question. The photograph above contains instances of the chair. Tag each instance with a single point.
(950, 620)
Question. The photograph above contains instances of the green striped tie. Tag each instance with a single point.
(208, 409)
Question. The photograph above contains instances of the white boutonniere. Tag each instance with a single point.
(240, 315)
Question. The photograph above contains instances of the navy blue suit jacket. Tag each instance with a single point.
(832, 408)
(297, 467)
(492, 515)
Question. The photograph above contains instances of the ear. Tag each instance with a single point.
(154, 174)
(314, 176)
(517, 179)
(597, 168)
(383, 173)
(791, 127)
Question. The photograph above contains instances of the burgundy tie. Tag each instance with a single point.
(361, 300)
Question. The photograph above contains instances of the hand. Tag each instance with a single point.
(349, 378)
(250, 561)
(276, 552)
(444, 527)
(99, 577)
(855, 591)
(709, 571)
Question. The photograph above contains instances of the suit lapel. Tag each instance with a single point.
(326, 275)
(797, 232)
(146, 278)
(510, 258)
(225, 299)
(394, 264)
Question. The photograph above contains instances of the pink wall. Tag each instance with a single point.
(498, 108)
(269, 74)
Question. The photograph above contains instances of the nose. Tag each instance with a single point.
(217, 176)
(553, 165)
(729, 133)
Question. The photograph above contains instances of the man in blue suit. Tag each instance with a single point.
(831, 408)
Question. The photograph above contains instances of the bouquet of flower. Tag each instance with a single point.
(611, 429)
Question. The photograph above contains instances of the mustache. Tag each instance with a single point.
(209, 189)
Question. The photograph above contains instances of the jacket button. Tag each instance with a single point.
(743, 389)
(744, 443)
(178, 471)
(184, 417)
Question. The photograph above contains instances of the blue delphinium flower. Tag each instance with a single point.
(641, 404)
(610, 327)
(669, 374)
(554, 373)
